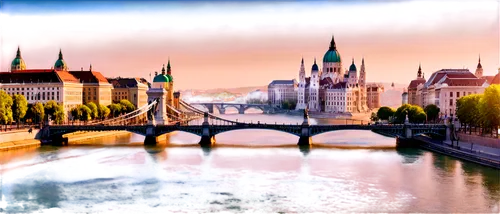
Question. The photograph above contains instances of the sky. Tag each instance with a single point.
(223, 44)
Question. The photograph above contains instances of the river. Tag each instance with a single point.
(248, 171)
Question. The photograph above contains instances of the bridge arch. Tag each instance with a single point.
(295, 132)
(254, 107)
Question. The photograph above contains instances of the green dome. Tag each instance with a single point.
(60, 63)
(18, 64)
(331, 56)
(170, 77)
(353, 67)
(161, 78)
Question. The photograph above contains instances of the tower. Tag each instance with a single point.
(170, 84)
(353, 74)
(301, 94)
(60, 64)
(479, 69)
(332, 64)
(159, 91)
(362, 74)
(18, 62)
(419, 73)
(314, 88)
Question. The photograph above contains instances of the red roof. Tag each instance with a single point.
(326, 82)
(415, 83)
(451, 73)
(89, 76)
(32, 70)
(496, 79)
(464, 81)
(66, 77)
(36, 77)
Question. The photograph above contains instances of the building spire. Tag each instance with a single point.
(90, 68)
(18, 55)
(169, 69)
(315, 60)
(60, 54)
(332, 44)
(419, 73)
(479, 63)
(163, 70)
(302, 62)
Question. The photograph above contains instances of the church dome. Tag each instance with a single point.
(332, 55)
(161, 78)
(18, 62)
(60, 63)
(315, 66)
(353, 66)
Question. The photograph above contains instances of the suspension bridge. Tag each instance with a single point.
(143, 121)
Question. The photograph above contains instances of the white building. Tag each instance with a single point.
(280, 90)
(330, 89)
(446, 86)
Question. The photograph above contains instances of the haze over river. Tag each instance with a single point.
(248, 171)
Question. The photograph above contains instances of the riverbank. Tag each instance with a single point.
(20, 139)
(487, 156)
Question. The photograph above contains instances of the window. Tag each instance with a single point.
(451, 102)
(458, 94)
(451, 94)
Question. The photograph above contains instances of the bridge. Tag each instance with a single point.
(241, 107)
(213, 125)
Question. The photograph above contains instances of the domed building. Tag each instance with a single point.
(330, 89)
(18, 62)
(60, 64)
(163, 88)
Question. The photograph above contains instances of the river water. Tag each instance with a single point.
(248, 171)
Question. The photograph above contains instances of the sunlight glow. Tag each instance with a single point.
(403, 13)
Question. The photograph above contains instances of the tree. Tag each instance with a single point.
(95, 111)
(293, 104)
(103, 111)
(489, 107)
(50, 108)
(5, 107)
(59, 115)
(385, 112)
(468, 111)
(85, 113)
(19, 107)
(432, 112)
(115, 109)
(127, 106)
(76, 113)
(285, 104)
(415, 114)
(36, 112)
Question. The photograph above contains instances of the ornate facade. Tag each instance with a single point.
(331, 89)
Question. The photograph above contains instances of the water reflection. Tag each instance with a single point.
(409, 155)
(206, 150)
(305, 149)
(34, 195)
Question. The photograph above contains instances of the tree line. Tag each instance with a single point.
(15, 108)
(480, 111)
(415, 114)
(91, 111)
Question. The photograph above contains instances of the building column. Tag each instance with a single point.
(207, 139)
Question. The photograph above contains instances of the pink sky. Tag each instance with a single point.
(217, 47)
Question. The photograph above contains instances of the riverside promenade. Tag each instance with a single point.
(479, 154)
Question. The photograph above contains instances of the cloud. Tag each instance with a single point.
(259, 41)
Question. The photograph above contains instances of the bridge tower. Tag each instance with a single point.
(159, 91)
(305, 138)
(207, 138)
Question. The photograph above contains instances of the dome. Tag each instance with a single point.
(18, 62)
(315, 66)
(170, 77)
(161, 78)
(332, 55)
(60, 63)
(352, 67)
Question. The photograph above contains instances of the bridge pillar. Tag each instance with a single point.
(241, 109)
(210, 108)
(222, 110)
(407, 131)
(47, 139)
(207, 139)
(160, 113)
(449, 131)
(305, 138)
(151, 138)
